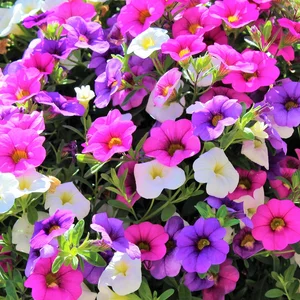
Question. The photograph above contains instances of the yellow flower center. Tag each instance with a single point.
(66, 198)
(20, 94)
(202, 244)
(249, 76)
(83, 38)
(18, 155)
(165, 90)
(218, 169)
(144, 14)
(51, 280)
(24, 183)
(54, 227)
(290, 105)
(183, 52)
(232, 19)
(156, 171)
(193, 28)
(147, 42)
(174, 147)
(215, 120)
(277, 224)
(244, 184)
(114, 142)
(248, 241)
(121, 268)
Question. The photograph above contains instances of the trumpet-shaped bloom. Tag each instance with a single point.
(67, 197)
(172, 142)
(123, 274)
(214, 168)
(84, 94)
(277, 224)
(152, 177)
(44, 62)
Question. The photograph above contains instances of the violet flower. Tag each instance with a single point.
(195, 283)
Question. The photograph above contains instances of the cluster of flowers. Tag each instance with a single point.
(149, 149)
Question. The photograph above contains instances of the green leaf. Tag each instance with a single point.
(75, 130)
(57, 263)
(276, 263)
(118, 204)
(141, 143)
(296, 179)
(208, 145)
(166, 295)
(274, 293)
(86, 159)
(222, 212)
(289, 273)
(214, 269)
(74, 263)
(168, 212)
(231, 222)
(267, 30)
(296, 247)
(204, 209)
(76, 233)
(127, 98)
(184, 293)
(94, 169)
(11, 290)
(92, 257)
(144, 290)
(32, 215)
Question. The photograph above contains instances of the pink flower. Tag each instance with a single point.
(225, 282)
(172, 142)
(217, 35)
(264, 73)
(195, 20)
(183, 47)
(277, 224)
(65, 284)
(20, 150)
(293, 27)
(283, 190)
(44, 62)
(150, 238)
(7, 262)
(137, 15)
(249, 182)
(236, 13)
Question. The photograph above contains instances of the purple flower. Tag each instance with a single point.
(112, 233)
(59, 104)
(59, 49)
(169, 265)
(202, 245)
(37, 20)
(217, 113)
(245, 245)
(46, 230)
(108, 83)
(82, 34)
(195, 283)
(286, 102)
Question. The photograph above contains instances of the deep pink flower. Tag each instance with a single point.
(195, 20)
(65, 284)
(217, 35)
(137, 15)
(183, 47)
(277, 224)
(150, 238)
(172, 142)
(293, 27)
(264, 74)
(283, 190)
(20, 150)
(44, 62)
(236, 13)
(225, 282)
(249, 182)
(5, 263)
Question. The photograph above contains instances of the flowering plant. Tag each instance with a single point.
(149, 149)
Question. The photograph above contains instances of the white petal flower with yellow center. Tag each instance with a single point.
(258, 130)
(105, 293)
(22, 232)
(84, 94)
(9, 17)
(29, 7)
(214, 168)
(152, 177)
(148, 41)
(123, 274)
(87, 294)
(66, 196)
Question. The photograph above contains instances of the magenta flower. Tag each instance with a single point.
(65, 284)
(277, 224)
(183, 47)
(137, 16)
(172, 142)
(216, 35)
(44, 62)
(150, 238)
(249, 182)
(20, 150)
(293, 27)
(195, 20)
(236, 13)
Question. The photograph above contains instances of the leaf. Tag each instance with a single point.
(165, 295)
(92, 257)
(296, 179)
(267, 29)
(222, 212)
(144, 290)
(75, 130)
(86, 159)
(57, 263)
(296, 247)
(10, 290)
(32, 215)
(184, 293)
(94, 169)
(168, 212)
(141, 142)
(127, 98)
(118, 204)
(274, 293)
(289, 273)
(76, 233)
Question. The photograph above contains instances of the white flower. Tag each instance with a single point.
(197, 106)
(84, 94)
(33, 182)
(86, 293)
(284, 131)
(214, 168)
(105, 293)
(148, 41)
(8, 191)
(22, 232)
(256, 151)
(67, 196)
(29, 7)
(152, 177)
(258, 130)
(123, 274)
(229, 235)
(49, 4)
(9, 17)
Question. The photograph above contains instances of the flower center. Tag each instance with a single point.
(147, 43)
(114, 142)
(170, 245)
(202, 244)
(156, 171)
(193, 28)
(18, 155)
(215, 120)
(245, 184)
(290, 105)
(121, 268)
(183, 52)
(51, 280)
(248, 241)
(165, 90)
(54, 227)
(277, 224)
(232, 19)
(144, 14)
(20, 94)
(249, 76)
(66, 198)
(143, 246)
(174, 147)
(218, 169)
(83, 38)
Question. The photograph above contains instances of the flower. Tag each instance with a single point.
(44, 62)
(169, 265)
(286, 102)
(9, 18)
(29, 7)
(214, 168)
(65, 284)
(86, 293)
(67, 197)
(105, 293)
(148, 41)
(123, 274)
(20, 150)
(194, 283)
(48, 229)
(22, 232)
(150, 238)
(8, 191)
(201, 245)
(277, 224)
(245, 245)
(152, 177)
(210, 121)
(84, 94)
(293, 27)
